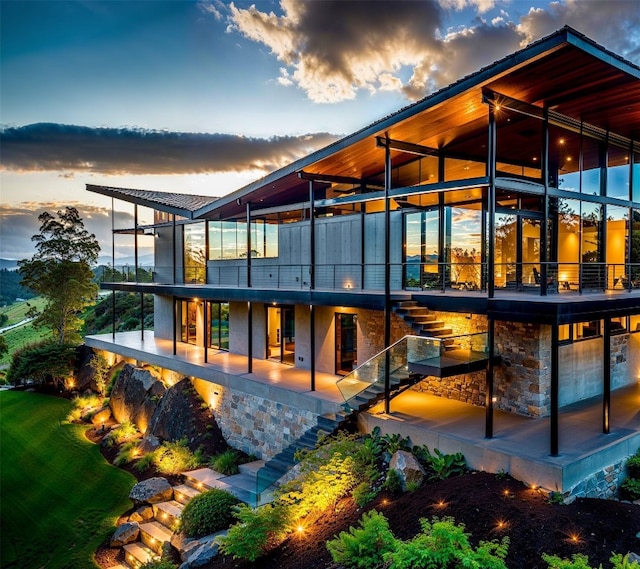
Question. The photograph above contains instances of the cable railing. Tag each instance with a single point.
(559, 277)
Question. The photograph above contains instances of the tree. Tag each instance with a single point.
(4, 347)
(60, 270)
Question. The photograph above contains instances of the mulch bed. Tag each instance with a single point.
(480, 501)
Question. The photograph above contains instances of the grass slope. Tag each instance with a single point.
(58, 497)
(22, 336)
(18, 310)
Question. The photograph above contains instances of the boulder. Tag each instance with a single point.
(135, 396)
(148, 444)
(174, 417)
(411, 472)
(152, 490)
(85, 373)
(101, 417)
(181, 542)
(142, 514)
(126, 533)
(200, 552)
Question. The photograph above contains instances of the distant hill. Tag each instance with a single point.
(11, 289)
(9, 264)
(98, 319)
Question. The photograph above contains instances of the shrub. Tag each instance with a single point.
(123, 433)
(208, 513)
(630, 489)
(175, 457)
(393, 482)
(633, 467)
(622, 562)
(445, 545)
(100, 367)
(226, 462)
(43, 362)
(144, 462)
(255, 530)
(128, 452)
(363, 547)
(446, 465)
(363, 493)
(161, 564)
(577, 561)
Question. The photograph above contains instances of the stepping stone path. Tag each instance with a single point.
(154, 533)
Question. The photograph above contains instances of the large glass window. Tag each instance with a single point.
(617, 244)
(635, 248)
(194, 253)
(466, 247)
(568, 224)
(228, 240)
(505, 251)
(592, 271)
(636, 175)
(218, 325)
(564, 159)
(421, 250)
(518, 145)
(591, 164)
(618, 172)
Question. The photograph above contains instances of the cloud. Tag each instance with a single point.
(113, 151)
(333, 49)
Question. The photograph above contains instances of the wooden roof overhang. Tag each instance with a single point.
(564, 72)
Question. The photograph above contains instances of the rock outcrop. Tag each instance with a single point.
(200, 552)
(175, 415)
(135, 396)
(126, 533)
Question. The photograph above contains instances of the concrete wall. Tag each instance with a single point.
(163, 252)
(238, 329)
(581, 370)
(163, 317)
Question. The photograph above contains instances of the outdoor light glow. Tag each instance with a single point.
(385, 502)
(506, 492)
(300, 529)
(501, 524)
(574, 538)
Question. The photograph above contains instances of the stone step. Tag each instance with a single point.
(137, 554)
(242, 486)
(433, 324)
(202, 478)
(154, 535)
(183, 493)
(420, 319)
(251, 467)
(168, 513)
(436, 332)
(406, 303)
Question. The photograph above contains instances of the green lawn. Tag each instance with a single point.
(58, 497)
(18, 310)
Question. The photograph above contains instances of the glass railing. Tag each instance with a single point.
(471, 278)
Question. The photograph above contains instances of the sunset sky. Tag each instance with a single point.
(205, 97)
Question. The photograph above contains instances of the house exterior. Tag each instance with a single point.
(489, 234)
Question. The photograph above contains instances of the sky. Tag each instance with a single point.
(206, 96)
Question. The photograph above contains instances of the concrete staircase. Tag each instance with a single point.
(422, 322)
(279, 465)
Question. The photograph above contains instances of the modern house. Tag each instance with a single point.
(479, 249)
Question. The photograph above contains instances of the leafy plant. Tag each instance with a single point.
(128, 452)
(208, 513)
(176, 457)
(445, 466)
(250, 537)
(555, 498)
(633, 466)
(630, 489)
(363, 493)
(226, 462)
(412, 485)
(577, 561)
(394, 442)
(622, 562)
(445, 545)
(123, 433)
(100, 367)
(363, 547)
(393, 482)
(144, 462)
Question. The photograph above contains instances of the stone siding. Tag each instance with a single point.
(603, 484)
(467, 387)
(523, 379)
(253, 424)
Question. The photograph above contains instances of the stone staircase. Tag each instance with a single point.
(154, 533)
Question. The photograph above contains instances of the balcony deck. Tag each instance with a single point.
(520, 445)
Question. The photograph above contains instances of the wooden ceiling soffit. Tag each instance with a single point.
(331, 179)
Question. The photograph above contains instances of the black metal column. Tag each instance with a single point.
(606, 388)
(387, 274)
(491, 201)
(312, 239)
(544, 246)
(205, 331)
(554, 418)
(113, 272)
(312, 345)
(248, 244)
(175, 325)
(142, 316)
(249, 337)
(488, 396)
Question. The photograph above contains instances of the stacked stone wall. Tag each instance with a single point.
(254, 424)
(603, 484)
(467, 387)
(619, 360)
(523, 379)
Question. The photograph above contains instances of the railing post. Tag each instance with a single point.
(387, 274)
(488, 398)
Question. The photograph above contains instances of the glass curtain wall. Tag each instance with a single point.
(421, 250)
(195, 260)
(465, 251)
(591, 255)
(617, 241)
(218, 318)
(228, 240)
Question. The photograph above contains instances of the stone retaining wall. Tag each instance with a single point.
(254, 424)
(466, 387)
(603, 484)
